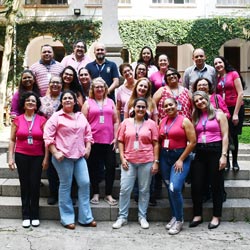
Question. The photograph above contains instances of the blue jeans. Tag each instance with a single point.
(174, 181)
(143, 172)
(66, 169)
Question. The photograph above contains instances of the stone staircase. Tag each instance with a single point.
(236, 208)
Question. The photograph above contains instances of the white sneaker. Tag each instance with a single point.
(119, 223)
(35, 223)
(144, 223)
(26, 223)
(171, 223)
(176, 228)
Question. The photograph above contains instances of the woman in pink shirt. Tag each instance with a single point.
(101, 114)
(211, 129)
(158, 78)
(27, 83)
(139, 152)
(230, 88)
(124, 92)
(68, 136)
(178, 139)
(26, 150)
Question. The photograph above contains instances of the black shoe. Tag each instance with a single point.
(152, 202)
(52, 200)
(195, 223)
(212, 226)
(228, 166)
(236, 167)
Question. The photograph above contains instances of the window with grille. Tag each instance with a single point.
(242, 3)
(173, 1)
(46, 1)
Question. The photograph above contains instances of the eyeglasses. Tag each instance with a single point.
(79, 47)
(171, 74)
(140, 107)
(30, 100)
(55, 83)
(202, 84)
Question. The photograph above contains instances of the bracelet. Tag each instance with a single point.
(224, 154)
(156, 161)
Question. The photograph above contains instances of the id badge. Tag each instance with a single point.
(179, 106)
(136, 145)
(166, 143)
(101, 119)
(30, 139)
(223, 96)
(203, 139)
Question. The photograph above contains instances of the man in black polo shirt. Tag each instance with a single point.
(104, 68)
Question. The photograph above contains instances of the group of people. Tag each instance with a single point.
(70, 117)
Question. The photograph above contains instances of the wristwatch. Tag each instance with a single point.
(157, 161)
(224, 154)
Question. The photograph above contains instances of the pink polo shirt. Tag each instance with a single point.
(68, 134)
(70, 60)
(147, 133)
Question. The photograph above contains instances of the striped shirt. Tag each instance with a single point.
(43, 73)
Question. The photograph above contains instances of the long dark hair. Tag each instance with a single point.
(138, 64)
(35, 88)
(75, 86)
(151, 61)
(135, 102)
(76, 107)
(229, 68)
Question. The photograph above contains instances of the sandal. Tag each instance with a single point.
(112, 202)
(94, 200)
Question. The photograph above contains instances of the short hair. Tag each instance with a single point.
(210, 85)
(26, 95)
(92, 86)
(124, 65)
(174, 71)
(80, 41)
(47, 45)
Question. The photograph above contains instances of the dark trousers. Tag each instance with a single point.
(29, 170)
(206, 166)
(102, 153)
(53, 179)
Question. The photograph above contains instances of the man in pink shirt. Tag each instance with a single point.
(77, 59)
(45, 68)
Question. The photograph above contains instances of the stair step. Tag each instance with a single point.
(233, 210)
(234, 189)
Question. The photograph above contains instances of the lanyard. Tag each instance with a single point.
(32, 124)
(163, 83)
(204, 123)
(100, 68)
(176, 95)
(137, 131)
(100, 107)
(223, 82)
(167, 128)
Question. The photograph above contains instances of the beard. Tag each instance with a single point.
(100, 57)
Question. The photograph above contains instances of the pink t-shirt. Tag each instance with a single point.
(123, 94)
(69, 134)
(22, 132)
(147, 133)
(157, 79)
(173, 130)
(210, 128)
(221, 104)
(231, 94)
(103, 132)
